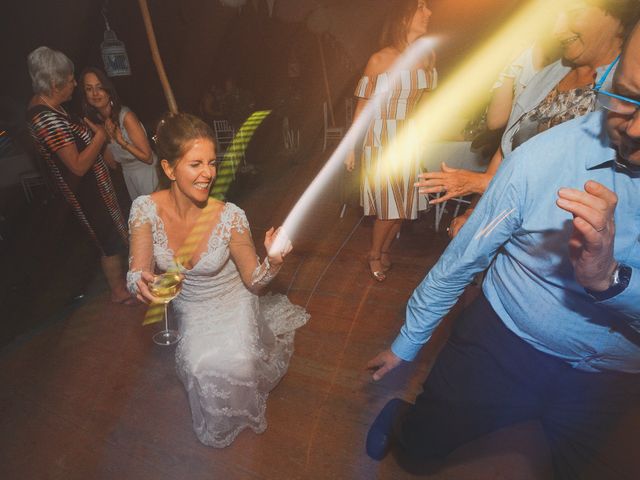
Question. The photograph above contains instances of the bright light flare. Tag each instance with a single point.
(355, 133)
(458, 97)
(465, 91)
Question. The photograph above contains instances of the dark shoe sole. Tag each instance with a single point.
(380, 433)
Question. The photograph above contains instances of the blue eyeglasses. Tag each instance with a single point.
(612, 101)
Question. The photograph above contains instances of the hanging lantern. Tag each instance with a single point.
(114, 55)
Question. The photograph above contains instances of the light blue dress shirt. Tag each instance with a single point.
(519, 232)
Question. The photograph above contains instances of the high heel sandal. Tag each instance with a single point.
(378, 275)
(386, 266)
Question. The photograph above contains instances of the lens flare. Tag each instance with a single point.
(438, 116)
(357, 131)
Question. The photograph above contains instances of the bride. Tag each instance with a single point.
(235, 345)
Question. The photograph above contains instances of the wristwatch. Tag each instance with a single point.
(620, 279)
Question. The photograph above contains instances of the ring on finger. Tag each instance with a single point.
(601, 228)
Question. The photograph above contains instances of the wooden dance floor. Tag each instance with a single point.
(91, 397)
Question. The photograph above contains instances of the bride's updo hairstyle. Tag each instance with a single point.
(175, 133)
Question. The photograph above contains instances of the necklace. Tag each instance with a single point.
(60, 110)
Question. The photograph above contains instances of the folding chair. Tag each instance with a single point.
(440, 209)
(29, 180)
(330, 133)
(224, 134)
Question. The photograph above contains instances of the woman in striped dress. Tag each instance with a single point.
(389, 193)
(72, 152)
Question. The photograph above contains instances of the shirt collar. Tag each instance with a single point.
(603, 153)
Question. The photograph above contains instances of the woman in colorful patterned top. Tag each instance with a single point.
(391, 196)
(591, 34)
(72, 152)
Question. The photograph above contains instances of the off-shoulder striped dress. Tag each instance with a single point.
(387, 192)
(91, 196)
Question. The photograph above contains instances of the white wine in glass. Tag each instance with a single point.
(166, 287)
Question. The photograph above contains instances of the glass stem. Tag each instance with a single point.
(166, 318)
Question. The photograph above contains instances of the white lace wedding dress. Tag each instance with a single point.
(235, 345)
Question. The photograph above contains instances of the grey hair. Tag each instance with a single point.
(48, 69)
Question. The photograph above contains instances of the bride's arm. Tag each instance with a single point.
(254, 274)
(140, 254)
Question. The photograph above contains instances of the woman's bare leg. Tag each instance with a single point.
(381, 229)
(388, 241)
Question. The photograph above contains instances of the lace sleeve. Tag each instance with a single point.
(140, 241)
(254, 274)
(263, 274)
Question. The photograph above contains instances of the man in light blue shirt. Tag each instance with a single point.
(556, 334)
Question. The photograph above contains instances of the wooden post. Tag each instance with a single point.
(157, 60)
(326, 80)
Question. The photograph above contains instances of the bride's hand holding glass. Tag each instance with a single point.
(160, 290)
(277, 244)
(153, 289)
(144, 294)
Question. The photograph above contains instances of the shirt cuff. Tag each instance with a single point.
(404, 348)
(626, 302)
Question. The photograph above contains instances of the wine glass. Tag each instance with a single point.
(166, 287)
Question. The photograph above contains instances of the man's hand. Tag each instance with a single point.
(591, 243)
(383, 363)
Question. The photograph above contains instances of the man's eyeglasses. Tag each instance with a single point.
(612, 101)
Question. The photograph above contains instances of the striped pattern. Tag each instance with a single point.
(391, 196)
(53, 131)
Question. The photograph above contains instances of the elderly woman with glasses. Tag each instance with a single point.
(591, 34)
(72, 151)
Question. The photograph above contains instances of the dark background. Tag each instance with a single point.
(47, 259)
(202, 41)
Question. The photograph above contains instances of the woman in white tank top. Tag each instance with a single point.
(129, 144)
